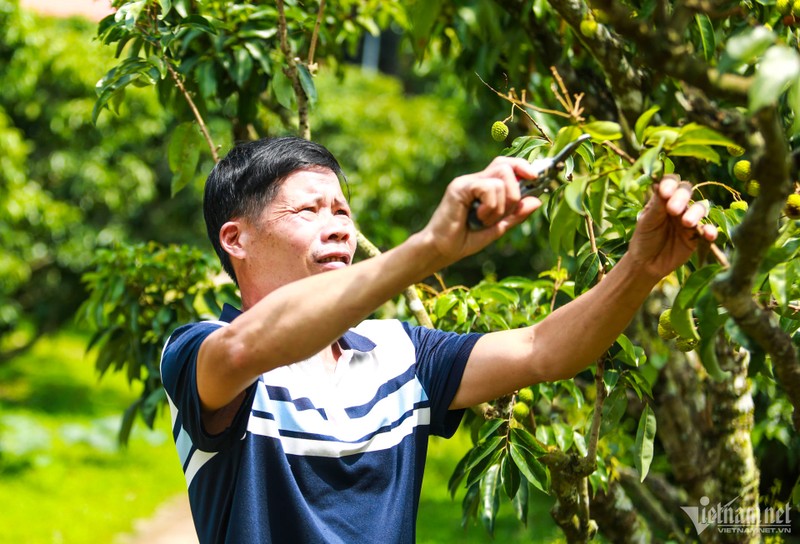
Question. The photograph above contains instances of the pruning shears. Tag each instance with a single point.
(546, 180)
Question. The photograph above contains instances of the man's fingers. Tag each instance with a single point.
(691, 218)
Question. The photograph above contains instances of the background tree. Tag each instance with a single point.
(706, 90)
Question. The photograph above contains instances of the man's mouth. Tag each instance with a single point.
(335, 259)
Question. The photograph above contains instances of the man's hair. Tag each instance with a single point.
(247, 179)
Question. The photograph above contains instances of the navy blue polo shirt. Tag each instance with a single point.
(314, 456)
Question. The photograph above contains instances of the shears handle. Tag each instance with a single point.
(548, 169)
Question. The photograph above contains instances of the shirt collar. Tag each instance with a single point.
(349, 340)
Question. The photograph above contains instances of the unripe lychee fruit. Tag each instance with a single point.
(735, 150)
(752, 188)
(792, 208)
(784, 7)
(521, 411)
(665, 329)
(499, 131)
(600, 16)
(525, 395)
(742, 170)
(739, 205)
(685, 344)
(589, 27)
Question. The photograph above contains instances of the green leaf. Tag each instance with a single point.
(696, 134)
(780, 280)
(243, 66)
(603, 130)
(588, 266)
(643, 121)
(573, 194)
(282, 88)
(776, 71)
(563, 227)
(458, 475)
(707, 37)
(535, 472)
(613, 409)
(422, 16)
(520, 504)
(563, 435)
(629, 354)
(710, 320)
(524, 439)
(750, 44)
(645, 434)
(511, 477)
(469, 506)
(489, 428)
(184, 154)
(793, 102)
(490, 497)
(681, 314)
(307, 83)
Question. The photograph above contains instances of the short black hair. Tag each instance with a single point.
(247, 179)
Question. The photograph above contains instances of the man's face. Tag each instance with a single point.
(305, 230)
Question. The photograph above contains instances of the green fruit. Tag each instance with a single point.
(792, 209)
(735, 150)
(666, 333)
(601, 16)
(739, 205)
(525, 395)
(784, 7)
(589, 27)
(685, 344)
(752, 188)
(521, 411)
(499, 131)
(665, 329)
(742, 170)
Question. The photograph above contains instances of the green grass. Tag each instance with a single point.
(439, 519)
(62, 476)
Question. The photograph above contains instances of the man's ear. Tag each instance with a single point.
(231, 238)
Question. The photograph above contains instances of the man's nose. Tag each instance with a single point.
(338, 227)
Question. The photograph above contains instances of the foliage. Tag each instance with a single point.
(138, 293)
(659, 88)
(66, 186)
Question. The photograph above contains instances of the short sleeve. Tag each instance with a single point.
(441, 359)
(179, 376)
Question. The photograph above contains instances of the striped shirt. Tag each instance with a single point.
(314, 456)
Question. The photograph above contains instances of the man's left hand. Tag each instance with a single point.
(669, 229)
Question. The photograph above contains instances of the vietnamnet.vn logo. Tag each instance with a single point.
(729, 518)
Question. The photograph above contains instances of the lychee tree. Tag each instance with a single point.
(705, 384)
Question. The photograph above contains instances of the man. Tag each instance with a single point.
(297, 421)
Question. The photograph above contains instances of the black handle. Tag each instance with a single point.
(472, 217)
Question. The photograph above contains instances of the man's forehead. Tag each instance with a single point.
(319, 181)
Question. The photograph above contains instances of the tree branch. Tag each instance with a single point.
(312, 48)
(199, 118)
(757, 233)
(291, 71)
(414, 302)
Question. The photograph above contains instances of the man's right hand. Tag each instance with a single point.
(501, 208)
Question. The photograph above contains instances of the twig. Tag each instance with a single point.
(291, 71)
(618, 151)
(312, 48)
(600, 397)
(414, 303)
(176, 78)
(590, 229)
